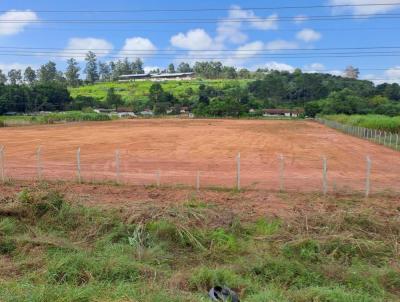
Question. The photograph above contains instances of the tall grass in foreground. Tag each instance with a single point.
(371, 121)
(53, 250)
(68, 116)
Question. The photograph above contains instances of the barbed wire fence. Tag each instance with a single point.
(278, 177)
(387, 139)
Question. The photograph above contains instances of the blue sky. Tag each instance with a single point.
(238, 34)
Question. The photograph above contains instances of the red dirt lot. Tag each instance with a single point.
(180, 148)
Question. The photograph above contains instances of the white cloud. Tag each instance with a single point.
(273, 65)
(244, 53)
(231, 29)
(314, 68)
(299, 19)
(13, 27)
(280, 45)
(138, 47)
(78, 47)
(6, 67)
(308, 35)
(392, 75)
(372, 9)
(196, 39)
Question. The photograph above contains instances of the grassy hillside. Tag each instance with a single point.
(140, 89)
(52, 249)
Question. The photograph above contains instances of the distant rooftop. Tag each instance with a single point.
(156, 75)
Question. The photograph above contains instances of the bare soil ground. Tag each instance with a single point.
(180, 148)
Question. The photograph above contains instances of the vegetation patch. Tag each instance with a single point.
(57, 250)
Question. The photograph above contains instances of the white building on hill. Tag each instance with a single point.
(157, 77)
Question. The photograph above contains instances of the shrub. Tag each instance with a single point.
(204, 278)
(286, 273)
(308, 250)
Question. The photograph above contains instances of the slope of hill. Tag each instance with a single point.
(140, 89)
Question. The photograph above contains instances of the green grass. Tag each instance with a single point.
(54, 250)
(139, 90)
(68, 116)
(371, 121)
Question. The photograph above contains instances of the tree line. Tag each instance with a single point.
(46, 89)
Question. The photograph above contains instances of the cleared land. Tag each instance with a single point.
(180, 148)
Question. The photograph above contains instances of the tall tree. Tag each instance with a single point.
(91, 69)
(171, 68)
(138, 66)
(351, 72)
(184, 67)
(113, 99)
(104, 71)
(47, 72)
(15, 76)
(29, 75)
(72, 72)
(3, 77)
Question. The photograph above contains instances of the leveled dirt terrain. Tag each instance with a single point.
(180, 148)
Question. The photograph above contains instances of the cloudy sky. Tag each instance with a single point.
(315, 35)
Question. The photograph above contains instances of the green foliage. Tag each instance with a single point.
(371, 121)
(113, 99)
(204, 278)
(286, 273)
(55, 250)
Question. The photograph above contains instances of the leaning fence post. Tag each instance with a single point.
(281, 173)
(324, 175)
(238, 172)
(198, 181)
(3, 175)
(39, 162)
(117, 162)
(368, 178)
(78, 164)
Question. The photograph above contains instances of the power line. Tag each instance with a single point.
(81, 55)
(174, 31)
(204, 50)
(218, 9)
(210, 20)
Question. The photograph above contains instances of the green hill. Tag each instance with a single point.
(139, 90)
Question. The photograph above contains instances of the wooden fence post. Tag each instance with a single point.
(198, 181)
(368, 178)
(238, 186)
(117, 166)
(39, 162)
(325, 175)
(158, 178)
(397, 141)
(78, 164)
(2, 170)
(281, 173)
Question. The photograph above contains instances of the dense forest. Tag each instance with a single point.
(48, 89)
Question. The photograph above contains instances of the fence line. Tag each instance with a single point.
(117, 168)
(382, 138)
(2, 170)
(39, 162)
(284, 182)
(324, 175)
(238, 172)
(78, 164)
(368, 178)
